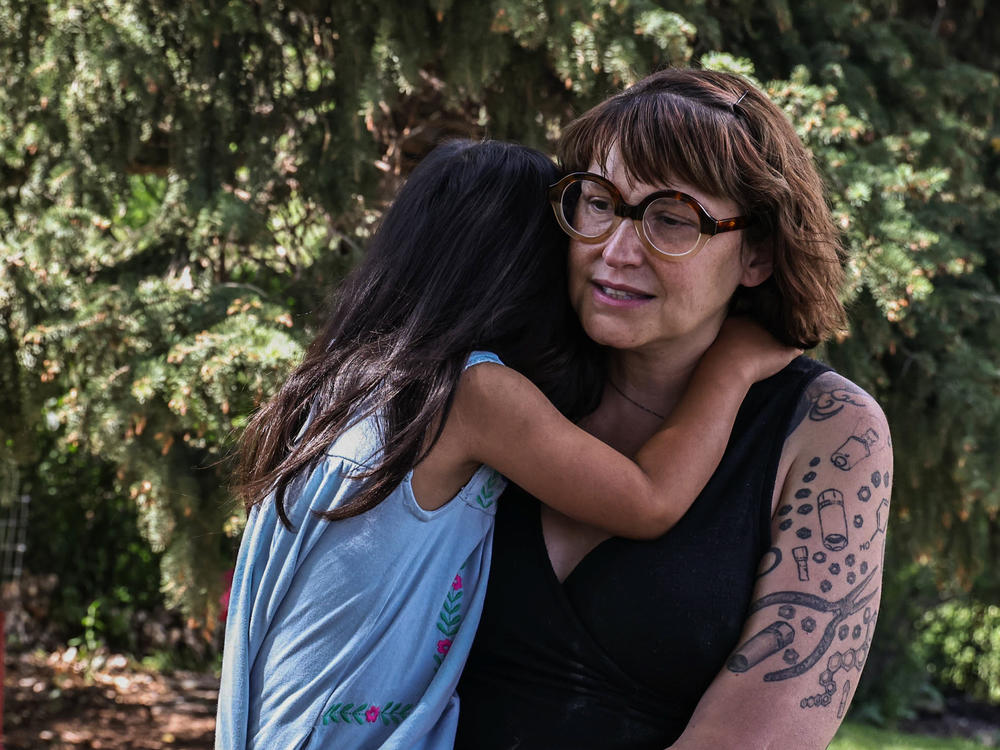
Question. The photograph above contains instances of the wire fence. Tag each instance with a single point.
(13, 538)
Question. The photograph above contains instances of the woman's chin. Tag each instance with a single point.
(615, 334)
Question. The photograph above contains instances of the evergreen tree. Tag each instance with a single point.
(182, 184)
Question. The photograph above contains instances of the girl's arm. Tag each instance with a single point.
(794, 671)
(501, 419)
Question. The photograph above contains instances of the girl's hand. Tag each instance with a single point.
(744, 347)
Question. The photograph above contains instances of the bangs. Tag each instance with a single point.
(663, 137)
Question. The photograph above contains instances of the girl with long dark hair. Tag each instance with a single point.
(371, 478)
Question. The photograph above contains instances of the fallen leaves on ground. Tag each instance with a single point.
(106, 702)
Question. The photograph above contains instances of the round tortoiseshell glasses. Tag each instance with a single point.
(669, 223)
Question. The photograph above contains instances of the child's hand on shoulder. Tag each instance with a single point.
(743, 346)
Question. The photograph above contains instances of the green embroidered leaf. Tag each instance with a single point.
(356, 713)
(331, 714)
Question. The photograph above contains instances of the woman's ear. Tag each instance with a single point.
(758, 263)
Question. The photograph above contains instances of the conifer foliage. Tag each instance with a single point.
(181, 185)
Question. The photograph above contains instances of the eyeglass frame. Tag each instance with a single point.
(709, 226)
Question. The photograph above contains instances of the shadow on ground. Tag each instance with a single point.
(60, 701)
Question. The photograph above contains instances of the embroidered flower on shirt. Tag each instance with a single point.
(351, 713)
(450, 617)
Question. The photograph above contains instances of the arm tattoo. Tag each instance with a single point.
(820, 402)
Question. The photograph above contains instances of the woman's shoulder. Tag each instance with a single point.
(828, 395)
(836, 420)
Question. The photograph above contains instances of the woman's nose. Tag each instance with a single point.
(623, 247)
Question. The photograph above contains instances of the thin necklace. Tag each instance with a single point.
(633, 401)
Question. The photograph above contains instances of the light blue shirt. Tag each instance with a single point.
(353, 633)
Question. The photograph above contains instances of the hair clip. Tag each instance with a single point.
(742, 97)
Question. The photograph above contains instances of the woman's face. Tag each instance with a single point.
(628, 299)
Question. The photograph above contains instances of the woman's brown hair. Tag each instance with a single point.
(718, 132)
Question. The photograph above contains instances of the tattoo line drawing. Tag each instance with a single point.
(881, 521)
(821, 402)
(855, 449)
(769, 641)
(770, 561)
(769, 638)
(830, 403)
(801, 555)
(843, 700)
(852, 658)
(832, 520)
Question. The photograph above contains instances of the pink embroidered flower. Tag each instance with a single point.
(443, 645)
(372, 714)
(457, 583)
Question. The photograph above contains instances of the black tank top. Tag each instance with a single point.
(619, 654)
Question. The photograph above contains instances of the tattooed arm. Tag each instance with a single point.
(810, 624)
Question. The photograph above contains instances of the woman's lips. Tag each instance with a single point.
(619, 295)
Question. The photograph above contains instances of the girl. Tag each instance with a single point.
(371, 479)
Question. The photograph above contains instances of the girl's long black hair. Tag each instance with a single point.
(469, 256)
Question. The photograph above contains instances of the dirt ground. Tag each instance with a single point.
(60, 701)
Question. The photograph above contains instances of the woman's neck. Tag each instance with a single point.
(656, 376)
(644, 388)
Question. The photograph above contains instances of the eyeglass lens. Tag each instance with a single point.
(672, 226)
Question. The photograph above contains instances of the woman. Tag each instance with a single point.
(748, 623)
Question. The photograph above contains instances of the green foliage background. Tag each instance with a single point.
(182, 183)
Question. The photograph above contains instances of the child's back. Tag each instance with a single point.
(354, 625)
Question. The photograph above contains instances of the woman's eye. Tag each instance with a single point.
(599, 204)
(670, 220)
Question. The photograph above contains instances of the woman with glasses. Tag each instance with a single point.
(689, 198)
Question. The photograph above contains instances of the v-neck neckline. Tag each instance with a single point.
(543, 550)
